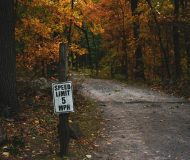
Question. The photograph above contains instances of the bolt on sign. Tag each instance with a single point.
(62, 97)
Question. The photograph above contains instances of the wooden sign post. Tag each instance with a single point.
(63, 129)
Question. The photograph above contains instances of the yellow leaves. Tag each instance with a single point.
(42, 3)
(37, 27)
(18, 33)
(77, 18)
(49, 50)
(97, 29)
(42, 25)
(77, 50)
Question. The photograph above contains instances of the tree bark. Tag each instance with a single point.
(8, 96)
(89, 49)
(176, 40)
(183, 3)
(96, 56)
(139, 69)
(187, 46)
(88, 56)
(124, 42)
(164, 55)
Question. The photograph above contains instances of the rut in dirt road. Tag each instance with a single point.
(140, 124)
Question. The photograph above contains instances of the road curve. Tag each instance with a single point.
(140, 124)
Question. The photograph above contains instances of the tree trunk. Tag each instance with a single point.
(139, 69)
(186, 31)
(164, 55)
(124, 43)
(187, 46)
(96, 56)
(8, 96)
(88, 57)
(183, 3)
(89, 49)
(176, 41)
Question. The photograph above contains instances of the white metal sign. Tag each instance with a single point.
(62, 97)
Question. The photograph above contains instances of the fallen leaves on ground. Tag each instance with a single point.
(33, 133)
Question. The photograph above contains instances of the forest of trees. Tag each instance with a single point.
(134, 40)
(139, 39)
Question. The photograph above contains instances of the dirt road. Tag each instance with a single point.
(140, 124)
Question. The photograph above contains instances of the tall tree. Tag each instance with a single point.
(124, 39)
(176, 40)
(164, 55)
(187, 46)
(8, 96)
(185, 9)
(138, 52)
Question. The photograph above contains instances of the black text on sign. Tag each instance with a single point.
(62, 97)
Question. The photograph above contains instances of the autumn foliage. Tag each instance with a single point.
(43, 24)
(138, 39)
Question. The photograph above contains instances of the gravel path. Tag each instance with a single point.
(140, 124)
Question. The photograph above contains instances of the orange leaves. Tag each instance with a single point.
(43, 24)
(35, 30)
(97, 29)
(18, 33)
(37, 27)
(42, 3)
(77, 50)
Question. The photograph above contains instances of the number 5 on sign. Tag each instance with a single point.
(62, 97)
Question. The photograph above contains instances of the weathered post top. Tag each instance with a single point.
(63, 67)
